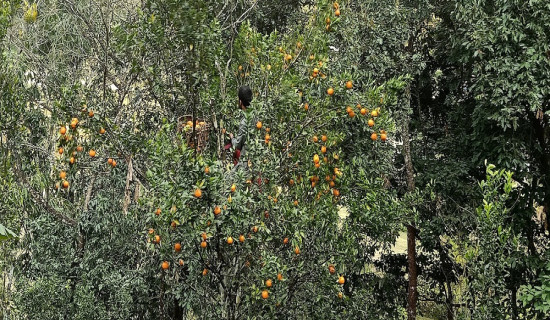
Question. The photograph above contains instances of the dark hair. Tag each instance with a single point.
(245, 95)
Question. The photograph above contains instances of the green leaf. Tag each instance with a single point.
(6, 233)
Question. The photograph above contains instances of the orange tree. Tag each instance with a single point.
(122, 217)
(295, 233)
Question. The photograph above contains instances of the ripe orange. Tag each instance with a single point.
(72, 160)
(114, 163)
(265, 294)
(165, 265)
(217, 210)
(341, 280)
(92, 153)
(330, 91)
(349, 84)
(173, 224)
(335, 5)
(295, 202)
(324, 138)
(241, 238)
(110, 161)
(371, 123)
(233, 188)
(383, 137)
(65, 184)
(374, 113)
(279, 276)
(197, 193)
(181, 262)
(340, 295)
(311, 57)
(255, 229)
(207, 170)
(363, 111)
(348, 109)
(79, 148)
(324, 149)
(157, 239)
(332, 184)
(101, 131)
(240, 68)
(315, 158)
(306, 106)
(60, 150)
(337, 13)
(331, 269)
(229, 240)
(374, 136)
(203, 244)
(291, 182)
(351, 114)
(327, 20)
(63, 130)
(268, 283)
(91, 114)
(297, 250)
(177, 247)
(204, 272)
(259, 125)
(285, 241)
(315, 139)
(157, 212)
(62, 175)
(335, 192)
(204, 236)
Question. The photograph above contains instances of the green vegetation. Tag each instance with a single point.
(397, 159)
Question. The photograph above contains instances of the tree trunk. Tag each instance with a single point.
(411, 254)
(450, 313)
(411, 229)
(513, 302)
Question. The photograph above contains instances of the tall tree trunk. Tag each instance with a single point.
(411, 229)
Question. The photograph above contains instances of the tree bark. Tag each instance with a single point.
(513, 302)
(450, 313)
(127, 192)
(411, 229)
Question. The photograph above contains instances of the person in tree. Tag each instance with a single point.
(239, 142)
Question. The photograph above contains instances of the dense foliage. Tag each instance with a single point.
(369, 119)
